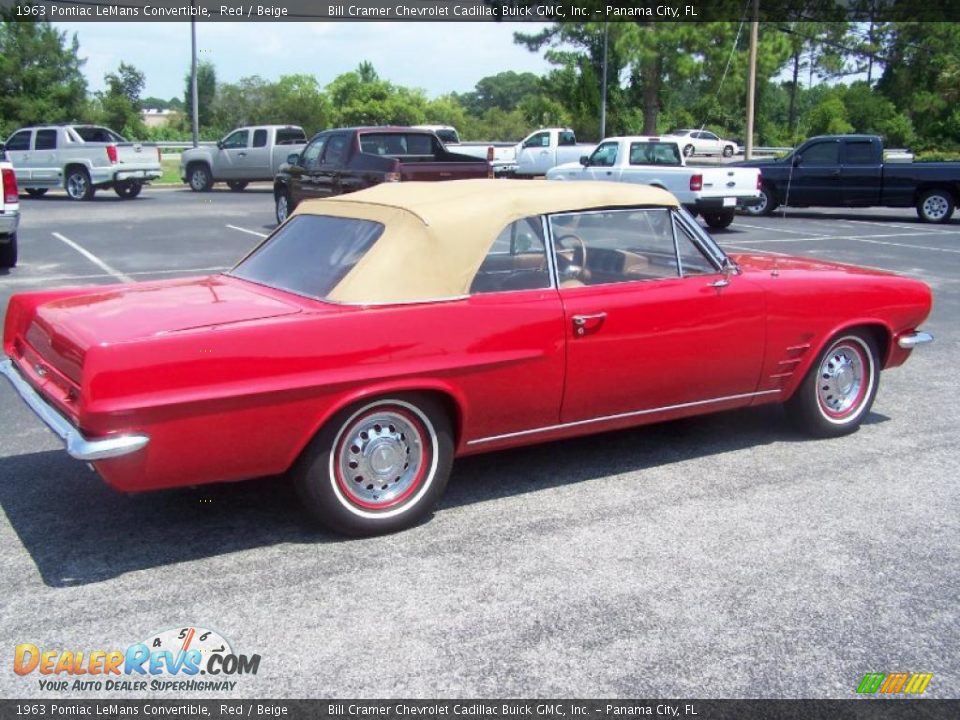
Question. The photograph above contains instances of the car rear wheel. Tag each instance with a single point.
(718, 220)
(200, 178)
(936, 206)
(378, 467)
(8, 251)
(687, 150)
(839, 389)
(236, 185)
(128, 189)
(768, 202)
(36, 192)
(728, 151)
(78, 185)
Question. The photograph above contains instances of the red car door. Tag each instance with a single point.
(652, 321)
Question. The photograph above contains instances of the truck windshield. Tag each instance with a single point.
(310, 254)
(448, 136)
(290, 136)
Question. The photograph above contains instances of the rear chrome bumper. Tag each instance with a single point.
(908, 341)
(77, 445)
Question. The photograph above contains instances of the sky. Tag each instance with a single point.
(436, 57)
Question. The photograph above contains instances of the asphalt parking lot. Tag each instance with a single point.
(723, 556)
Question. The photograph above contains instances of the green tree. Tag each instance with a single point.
(206, 93)
(40, 74)
(120, 103)
(360, 97)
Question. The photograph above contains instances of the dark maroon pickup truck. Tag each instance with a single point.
(348, 159)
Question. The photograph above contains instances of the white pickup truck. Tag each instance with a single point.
(246, 155)
(80, 159)
(9, 215)
(502, 156)
(544, 149)
(715, 193)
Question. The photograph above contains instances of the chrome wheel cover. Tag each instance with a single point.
(76, 185)
(760, 207)
(845, 380)
(198, 179)
(935, 207)
(283, 208)
(382, 456)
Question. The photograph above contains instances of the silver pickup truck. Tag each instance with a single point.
(245, 155)
(80, 159)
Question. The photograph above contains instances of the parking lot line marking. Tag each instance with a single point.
(928, 231)
(249, 232)
(94, 259)
(780, 230)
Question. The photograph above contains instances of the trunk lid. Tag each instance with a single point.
(729, 182)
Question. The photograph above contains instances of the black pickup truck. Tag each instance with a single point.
(848, 171)
(348, 159)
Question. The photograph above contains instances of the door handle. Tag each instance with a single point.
(583, 323)
(722, 282)
(242, 154)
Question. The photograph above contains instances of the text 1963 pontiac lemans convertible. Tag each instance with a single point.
(374, 337)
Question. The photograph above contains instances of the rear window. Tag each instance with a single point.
(310, 254)
(399, 144)
(90, 133)
(290, 136)
(45, 140)
(654, 153)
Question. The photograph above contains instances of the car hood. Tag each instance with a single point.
(564, 167)
(767, 264)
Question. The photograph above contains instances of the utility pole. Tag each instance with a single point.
(752, 80)
(195, 109)
(603, 92)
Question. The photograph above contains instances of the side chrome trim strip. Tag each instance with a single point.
(620, 416)
(77, 445)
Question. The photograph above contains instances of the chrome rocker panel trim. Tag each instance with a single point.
(77, 445)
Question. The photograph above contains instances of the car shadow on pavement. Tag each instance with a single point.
(79, 531)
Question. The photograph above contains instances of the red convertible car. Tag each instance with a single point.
(374, 337)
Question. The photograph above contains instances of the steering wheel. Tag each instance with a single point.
(579, 249)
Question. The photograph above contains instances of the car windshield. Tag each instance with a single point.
(310, 254)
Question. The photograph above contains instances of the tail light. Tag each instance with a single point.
(696, 182)
(10, 191)
(759, 180)
(112, 154)
(490, 153)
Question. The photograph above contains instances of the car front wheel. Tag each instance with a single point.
(935, 206)
(284, 205)
(839, 388)
(200, 178)
(379, 467)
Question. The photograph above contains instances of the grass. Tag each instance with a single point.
(171, 171)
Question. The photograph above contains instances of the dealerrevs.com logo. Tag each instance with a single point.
(171, 660)
(894, 683)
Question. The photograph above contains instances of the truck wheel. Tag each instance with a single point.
(936, 206)
(128, 189)
(728, 150)
(718, 220)
(8, 252)
(78, 185)
(377, 467)
(768, 202)
(839, 388)
(285, 205)
(36, 192)
(200, 178)
(687, 150)
(236, 185)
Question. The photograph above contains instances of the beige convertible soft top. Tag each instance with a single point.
(437, 234)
